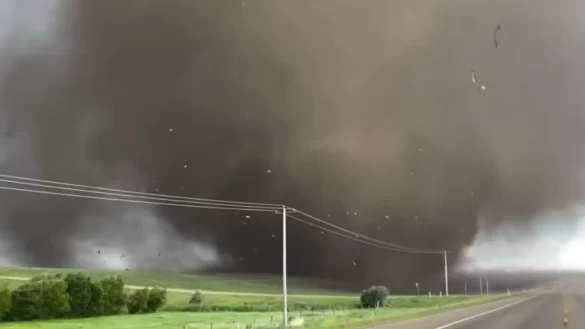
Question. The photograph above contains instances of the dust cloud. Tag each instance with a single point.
(360, 112)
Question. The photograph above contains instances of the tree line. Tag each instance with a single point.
(76, 295)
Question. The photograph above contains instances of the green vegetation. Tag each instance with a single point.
(257, 284)
(81, 299)
(328, 319)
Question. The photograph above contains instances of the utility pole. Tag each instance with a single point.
(446, 275)
(465, 287)
(487, 287)
(480, 287)
(284, 273)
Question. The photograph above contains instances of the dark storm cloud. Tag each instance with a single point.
(362, 107)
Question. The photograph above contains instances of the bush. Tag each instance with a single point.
(137, 301)
(196, 298)
(79, 290)
(375, 296)
(5, 301)
(95, 305)
(113, 297)
(44, 298)
(157, 298)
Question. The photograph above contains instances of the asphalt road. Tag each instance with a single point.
(543, 309)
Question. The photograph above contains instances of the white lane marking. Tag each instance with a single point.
(484, 313)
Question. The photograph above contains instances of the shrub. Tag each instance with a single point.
(95, 305)
(79, 290)
(375, 296)
(157, 298)
(40, 299)
(5, 301)
(196, 298)
(113, 297)
(137, 301)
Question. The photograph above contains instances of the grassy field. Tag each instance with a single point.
(233, 320)
(254, 285)
(237, 303)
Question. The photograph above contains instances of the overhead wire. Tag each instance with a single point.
(190, 202)
(137, 193)
(347, 236)
(365, 237)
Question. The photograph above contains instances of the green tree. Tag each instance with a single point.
(157, 298)
(5, 301)
(95, 305)
(79, 289)
(137, 301)
(375, 296)
(113, 297)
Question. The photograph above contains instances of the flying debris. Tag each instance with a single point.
(272, 235)
(126, 269)
(355, 213)
(322, 233)
(387, 217)
(185, 166)
(477, 85)
(99, 252)
(269, 171)
(412, 173)
(248, 216)
(171, 130)
(354, 263)
(122, 256)
(415, 217)
(496, 44)
(347, 213)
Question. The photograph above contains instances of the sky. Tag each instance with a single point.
(362, 113)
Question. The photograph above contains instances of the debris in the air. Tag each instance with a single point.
(322, 232)
(99, 252)
(185, 166)
(328, 215)
(496, 44)
(122, 256)
(171, 130)
(269, 171)
(248, 216)
(387, 217)
(159, 254)
(415, 217)
(477, 85)
(156, 190)
(354, 264)
(355, 213)
(347, 213)
(182, 188)
(272, 235)
(241, 258)
(471, 193)
(126, 269)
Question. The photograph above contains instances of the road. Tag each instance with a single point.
(542, 309)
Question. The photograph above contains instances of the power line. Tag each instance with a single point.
(218, 207)
(188, 202)
(140, 193)
(183, 205)
(389, 244)
(382, 246)
(130, 194)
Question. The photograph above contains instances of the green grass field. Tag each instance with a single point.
(261, 285)
(234, 303)
(233, 320)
